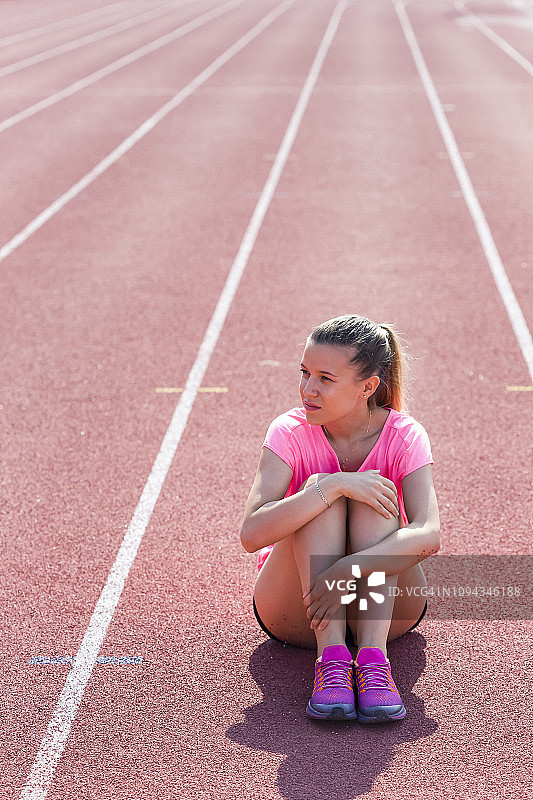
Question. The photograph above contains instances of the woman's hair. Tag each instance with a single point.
(377, 350)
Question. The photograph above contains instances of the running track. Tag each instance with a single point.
(115, 253)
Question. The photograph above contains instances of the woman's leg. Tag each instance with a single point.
(278, 588)
(367, 527)
(377, 696)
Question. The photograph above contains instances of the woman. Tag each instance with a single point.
(343, 489)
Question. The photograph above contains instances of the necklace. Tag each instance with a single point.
(344, 461)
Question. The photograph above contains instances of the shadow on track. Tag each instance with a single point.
(326, 757)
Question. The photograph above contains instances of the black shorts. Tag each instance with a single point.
(349, 634)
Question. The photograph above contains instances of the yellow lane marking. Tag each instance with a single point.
(176, 389)
(519, 388)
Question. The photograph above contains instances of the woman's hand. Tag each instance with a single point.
(323, 597)
(372, 488)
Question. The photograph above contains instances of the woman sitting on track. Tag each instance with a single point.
(344, 481)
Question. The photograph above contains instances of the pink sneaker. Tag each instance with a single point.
(378, 696)
(333, 696)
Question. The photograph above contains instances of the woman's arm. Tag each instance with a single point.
(269, 516)
(410, 545)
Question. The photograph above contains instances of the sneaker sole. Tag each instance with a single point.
(381, 714)
(338, 712)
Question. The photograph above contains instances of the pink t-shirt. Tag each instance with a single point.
(402, 447)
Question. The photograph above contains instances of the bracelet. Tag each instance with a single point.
(319, 490)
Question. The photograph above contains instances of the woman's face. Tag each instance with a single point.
(328, 385)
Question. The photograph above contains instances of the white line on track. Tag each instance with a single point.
(139, 133)
(75, 44)
(35, 13)
(492, 255)
(114, 66)
(499, 41)
(32, 33)
(71, 696)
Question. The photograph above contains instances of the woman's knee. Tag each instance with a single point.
(367, 526)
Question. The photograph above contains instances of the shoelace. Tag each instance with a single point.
(333, 674)
(374, 677)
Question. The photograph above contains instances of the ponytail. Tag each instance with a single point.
(390, 390)
(377, 350)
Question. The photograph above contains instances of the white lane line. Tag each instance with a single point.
(499, 41)
(140, 132)
(202, 389)
(75, 44)
(14, 38)
(492, 255)
(71, 696)
(114, 66)
(36, 13)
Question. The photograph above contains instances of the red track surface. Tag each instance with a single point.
(111, 299)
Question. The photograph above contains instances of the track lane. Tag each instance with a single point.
(491, 119)
(114, 66)
(35, 11)
(125, 115)
(245, 735)
(10, 67)
(60, 725)
(28, 85)
(405, 239)
(80, 331)
(68, 22)
(259, 757)
(266, 749)
(504, 25)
